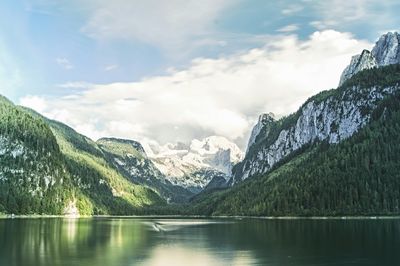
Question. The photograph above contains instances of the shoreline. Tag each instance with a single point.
(38, 216)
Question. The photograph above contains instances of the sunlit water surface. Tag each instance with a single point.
(133, 241)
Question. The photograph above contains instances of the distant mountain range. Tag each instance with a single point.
(337, 155)
(194, 166)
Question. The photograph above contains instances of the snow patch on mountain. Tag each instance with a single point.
(182, 163)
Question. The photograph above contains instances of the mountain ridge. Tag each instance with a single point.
(385, 52)
(331, 114)
(193, 166)
(356, 176)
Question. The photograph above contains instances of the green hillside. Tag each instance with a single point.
(32, 173)
(46, 167)
(107, 191)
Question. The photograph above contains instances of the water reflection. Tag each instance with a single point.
(172, 225)
(115, 241)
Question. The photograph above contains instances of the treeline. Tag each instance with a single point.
(18, 125)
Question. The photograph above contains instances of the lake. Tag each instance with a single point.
(161, 241)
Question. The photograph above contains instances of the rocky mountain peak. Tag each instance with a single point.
(387, 49)
(331, 116)
(365, 60)
(264, 120)
(385, 52)
(181, 164)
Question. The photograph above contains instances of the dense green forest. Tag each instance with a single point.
(32, 174)
(45, 166)
(106, 191)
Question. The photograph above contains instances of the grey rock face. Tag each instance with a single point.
(387, 49)
(385, 52)
(334, 119)
(365, 60)
(264, 121)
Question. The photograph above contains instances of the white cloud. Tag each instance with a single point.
(221, 96)
(288, 28)
(342, 13)
(64, 62)
(75, 85)
(292, 9)
(345, 10)
(166, 24)
(34, 102)
(110, 67)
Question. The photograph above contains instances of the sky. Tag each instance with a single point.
(167, 71)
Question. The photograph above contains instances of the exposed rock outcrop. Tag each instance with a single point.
(385, 52)
(335, 118)
(263, 123)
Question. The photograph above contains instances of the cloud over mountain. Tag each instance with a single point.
(221, 96)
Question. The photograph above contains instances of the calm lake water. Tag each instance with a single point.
(133, 241)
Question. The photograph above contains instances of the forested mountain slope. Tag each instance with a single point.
(331, 116)
(33, 176)
(357, 176)
(46, 167)
(107, 190)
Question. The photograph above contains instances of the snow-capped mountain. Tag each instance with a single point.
(194, 165)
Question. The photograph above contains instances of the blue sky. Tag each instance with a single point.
(67, 49)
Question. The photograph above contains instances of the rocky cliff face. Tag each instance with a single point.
(329, 116)
(385, 52)
(365, 60)
(387, 49)
(262, 126)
